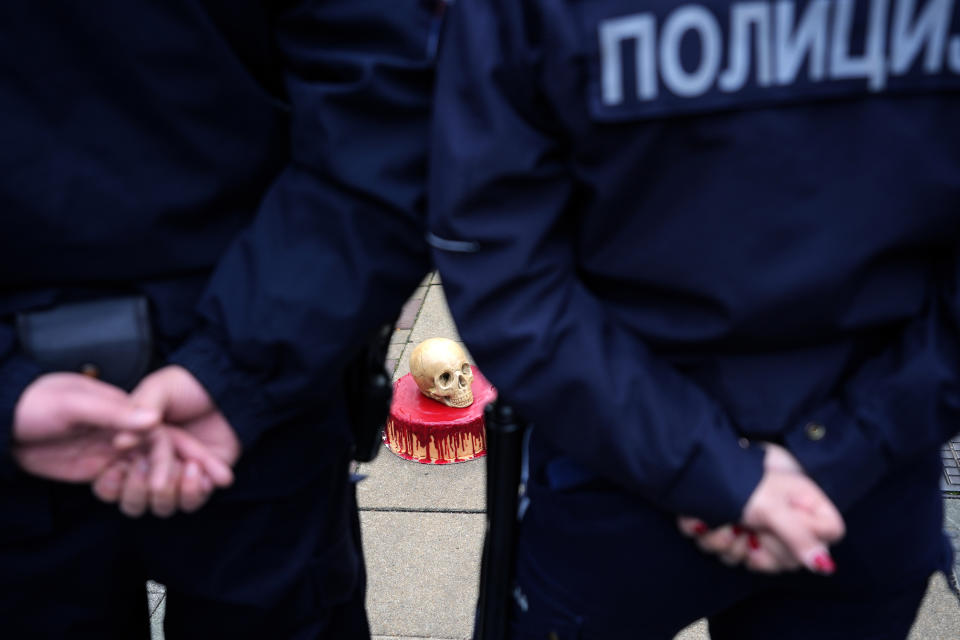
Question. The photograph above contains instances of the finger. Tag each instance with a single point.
(152, 393)
(134, 497)
(189, 448)
(216, 434)
(762, 561)
(717, 541)
(818, 560)
(779, 551)
(826, 521)
(161, 459)
(805, 500)
(769, 555)
(194, 493)
(776, 458)
(823, 518)
(736, 552)
(109, 484)
(790, 505)
(91, 404)
(795, 530)
(175, 392)
(692, 527)
(163, 499)
(126, 440)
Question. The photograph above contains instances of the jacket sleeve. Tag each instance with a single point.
(898, 406)
(16, 373)
(500, 222)
(337, 243)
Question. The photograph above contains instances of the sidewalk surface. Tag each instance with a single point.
(423, 525)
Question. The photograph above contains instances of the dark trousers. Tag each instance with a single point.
(595, 563)
(285, 567)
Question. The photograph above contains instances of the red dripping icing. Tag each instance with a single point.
(429, 432)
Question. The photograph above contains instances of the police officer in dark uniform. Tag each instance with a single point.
(671, 231)
(235, 188)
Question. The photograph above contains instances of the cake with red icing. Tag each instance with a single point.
(425, 430)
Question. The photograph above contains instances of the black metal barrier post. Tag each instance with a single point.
(504, 458)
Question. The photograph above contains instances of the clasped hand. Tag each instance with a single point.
(163, 447)
(787, 523)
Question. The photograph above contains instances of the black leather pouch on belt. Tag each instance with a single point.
(110, 339)
(368, 392)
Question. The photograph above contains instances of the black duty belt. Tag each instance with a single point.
(110, 339)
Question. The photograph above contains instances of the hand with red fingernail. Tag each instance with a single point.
(788, 523)
(729, 543)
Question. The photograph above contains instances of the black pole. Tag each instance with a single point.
(504, 459)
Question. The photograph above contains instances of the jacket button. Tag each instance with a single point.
(815, 431)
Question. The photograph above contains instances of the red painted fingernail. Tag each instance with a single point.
(753, 541)
(823, 563)
(737, 530)
(700, 528)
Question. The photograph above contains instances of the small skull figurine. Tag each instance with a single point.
(440, 368)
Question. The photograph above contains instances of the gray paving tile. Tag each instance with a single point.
(395, 350)
(436, 278)
(394, 353)
(434, 320)
(408, 638)
(951, 512)
(399, 336)
(395, 483)
(391, 365)
(423, 570)
(156, 621)
(951, 524)
(696, 631)
(409, 312)
(155, 601)
(950, 482)
(403, 365)
(939, 616)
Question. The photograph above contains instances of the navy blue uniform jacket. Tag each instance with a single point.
(664, 227)
(265, 160)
